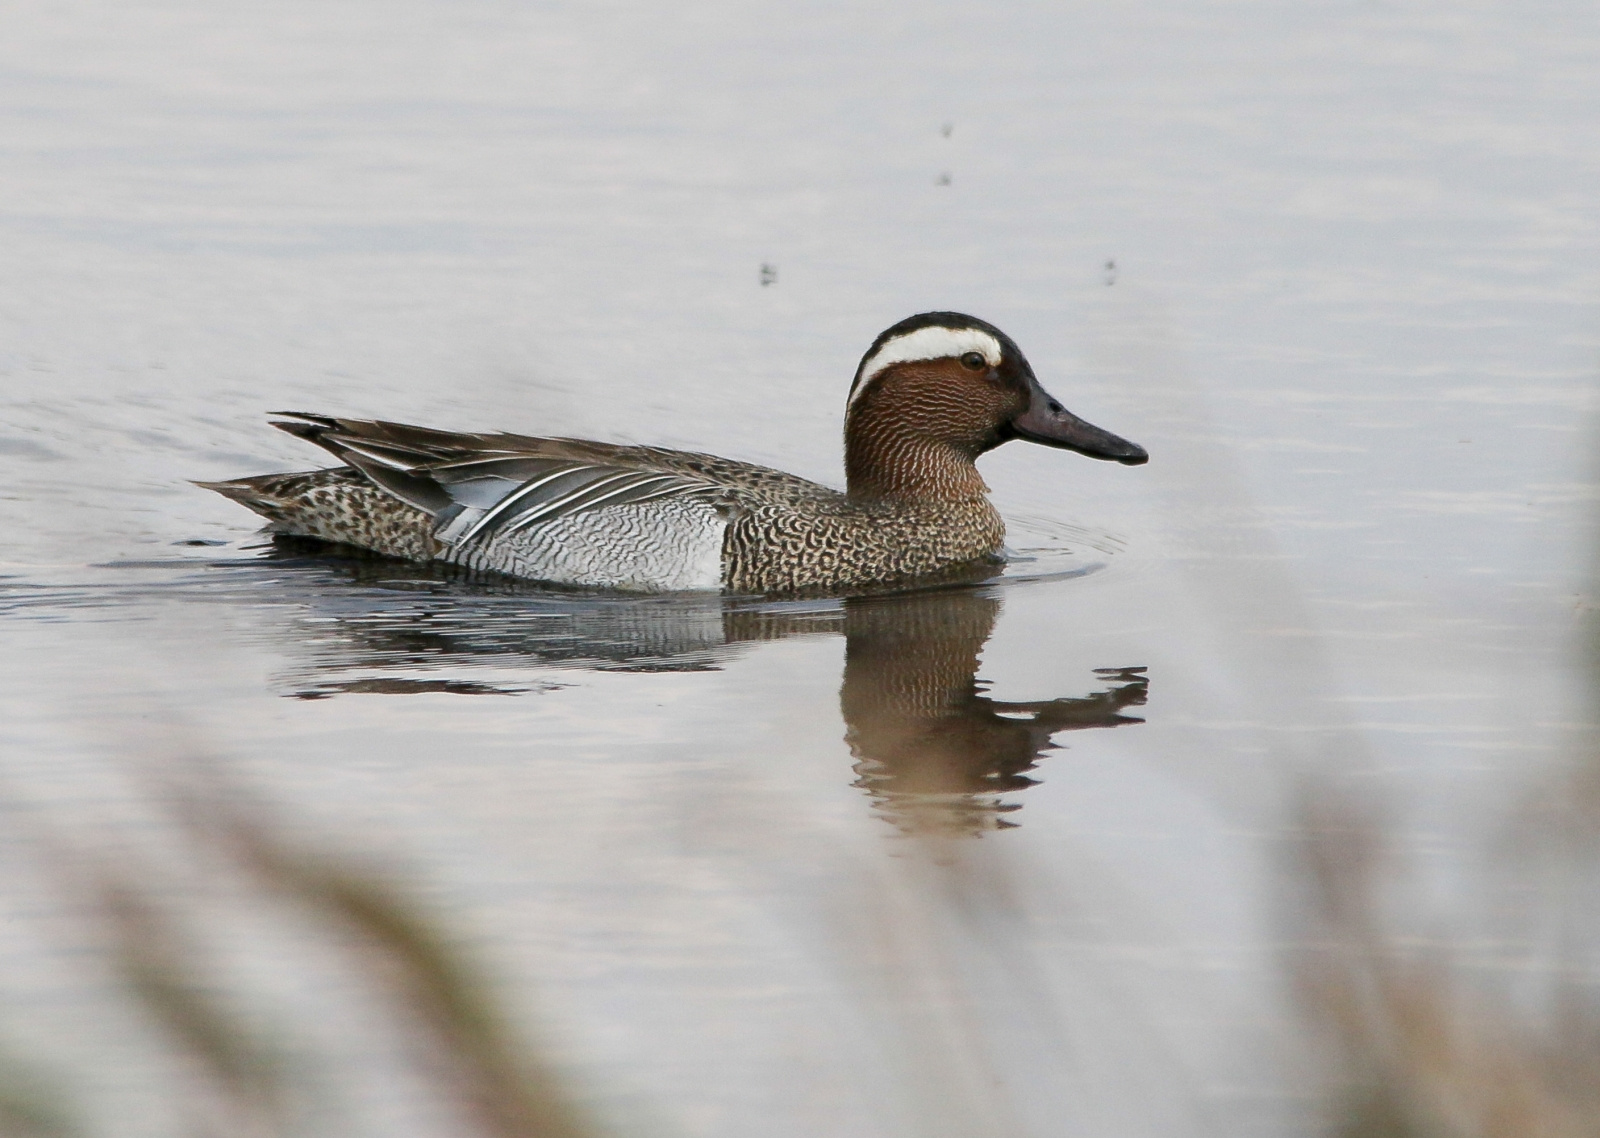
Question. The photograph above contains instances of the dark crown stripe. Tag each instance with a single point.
(952, 320)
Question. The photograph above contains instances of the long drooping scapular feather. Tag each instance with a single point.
(475, 485)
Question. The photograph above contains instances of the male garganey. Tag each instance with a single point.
(933, 393)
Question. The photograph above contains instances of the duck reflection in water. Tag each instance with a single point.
(934, 752)
(931, 749)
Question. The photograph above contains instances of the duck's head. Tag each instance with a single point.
(948, 381)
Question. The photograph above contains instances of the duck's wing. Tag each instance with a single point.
(478, 485)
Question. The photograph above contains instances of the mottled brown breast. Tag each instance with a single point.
(840, 544)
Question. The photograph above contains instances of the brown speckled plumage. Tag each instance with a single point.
(833, 543)
(932, 394)
(336, 505)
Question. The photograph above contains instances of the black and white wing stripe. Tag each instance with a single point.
(477, 486)
(498, 496)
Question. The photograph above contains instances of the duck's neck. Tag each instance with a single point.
(892, 461)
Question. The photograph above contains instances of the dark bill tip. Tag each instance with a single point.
(1134, 455)
(1047, 422)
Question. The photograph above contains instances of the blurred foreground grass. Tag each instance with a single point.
(1480, 1024)
(461, 1043)
(1468, 1015)
(1417, 1040)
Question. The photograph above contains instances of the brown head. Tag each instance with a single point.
(937, 390)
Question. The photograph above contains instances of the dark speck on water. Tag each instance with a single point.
(27, 448)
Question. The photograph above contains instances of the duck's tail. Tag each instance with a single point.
(247, 492)
(337, 505)
(280, 498)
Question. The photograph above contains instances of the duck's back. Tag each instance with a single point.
(576, 512)
(562, 510)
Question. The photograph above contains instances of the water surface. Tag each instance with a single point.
(1035, 856)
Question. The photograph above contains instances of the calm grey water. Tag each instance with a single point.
(800, 869)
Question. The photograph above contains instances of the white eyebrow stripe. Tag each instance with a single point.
(931, 343)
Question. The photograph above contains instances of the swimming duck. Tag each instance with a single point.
(932, 393)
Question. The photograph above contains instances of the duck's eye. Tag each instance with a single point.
(974, 361)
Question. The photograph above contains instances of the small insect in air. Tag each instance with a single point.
(947, 129)
(943, 179)
(769, 274)
(1111, 273)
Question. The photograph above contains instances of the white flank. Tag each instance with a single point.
(704, 570)
(931, 343)
(663, 546)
